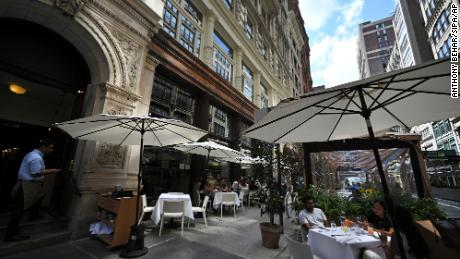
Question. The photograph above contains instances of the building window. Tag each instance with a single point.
(191, 9)
(219, 130)
(440, 26)
(162, 92)
(247, 82)
(220, 115)
(184, 101)
(170, 14)
(222, 58)
(430, 7)
(228, 4)
(218, 122)
(187, 34)
(444, 50)
(248, 29)
(183, 22)
(170, 101)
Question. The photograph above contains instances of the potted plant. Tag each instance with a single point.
(269, 198)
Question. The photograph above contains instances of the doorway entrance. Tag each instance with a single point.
(43, 79)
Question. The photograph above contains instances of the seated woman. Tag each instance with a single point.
(223, 186)
(379, 219)
(414, 245)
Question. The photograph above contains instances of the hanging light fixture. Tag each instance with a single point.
(17, 89)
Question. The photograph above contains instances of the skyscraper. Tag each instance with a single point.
(375, 42)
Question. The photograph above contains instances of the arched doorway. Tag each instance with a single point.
(54, 76)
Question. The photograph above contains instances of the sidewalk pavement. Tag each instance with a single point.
(231, 237)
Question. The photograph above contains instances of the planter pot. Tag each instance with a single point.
(270, 234)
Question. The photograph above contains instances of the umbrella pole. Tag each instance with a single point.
(135, 247)
(386, 192)
(207, 160)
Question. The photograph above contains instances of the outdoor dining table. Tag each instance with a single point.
(158, 211)
(334, 243)
(218, 199)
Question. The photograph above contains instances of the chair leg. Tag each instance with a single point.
(140, 219)
(161, 226)
(221, 210)
(182, 227)
(234, 210)
(205, 221)
(188, 223)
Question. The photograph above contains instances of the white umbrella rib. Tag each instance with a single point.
(340, 96)
(341, 115)
(386, 109)
(98, 130)
(155, 135)
(387, 84)
(129, 127)
(180, 135)
(294, 112)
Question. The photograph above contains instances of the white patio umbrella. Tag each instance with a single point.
(246, 160)
(405, 97)
(132, 130)
(209, 149)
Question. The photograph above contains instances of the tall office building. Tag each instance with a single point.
(436, 15)
(376, 39)
(411, 45)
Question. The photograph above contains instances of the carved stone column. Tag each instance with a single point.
(146, 84)
(208, 42)
(238, 69)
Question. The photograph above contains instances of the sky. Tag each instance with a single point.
(332, 27)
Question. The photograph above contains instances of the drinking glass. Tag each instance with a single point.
(332, 228)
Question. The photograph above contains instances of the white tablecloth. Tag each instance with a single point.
(218, 199)
(324, 244)
(156, 214)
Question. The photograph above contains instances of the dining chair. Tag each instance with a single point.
(201, 210)
(241, 198)
(173, 209)
(228, 199)
(299, 250)
(145, 208)
(198, 198)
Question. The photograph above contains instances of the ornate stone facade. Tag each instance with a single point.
(113, 38)
(70, 7)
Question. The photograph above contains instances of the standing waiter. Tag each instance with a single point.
(28, 191)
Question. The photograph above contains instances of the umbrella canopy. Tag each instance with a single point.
(246, 160)
(127, 130)
(132, 130)
(209, 149)
(405, 97)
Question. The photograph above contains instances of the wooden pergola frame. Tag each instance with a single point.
(389, 141)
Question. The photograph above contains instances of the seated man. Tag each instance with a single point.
(312, 217)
